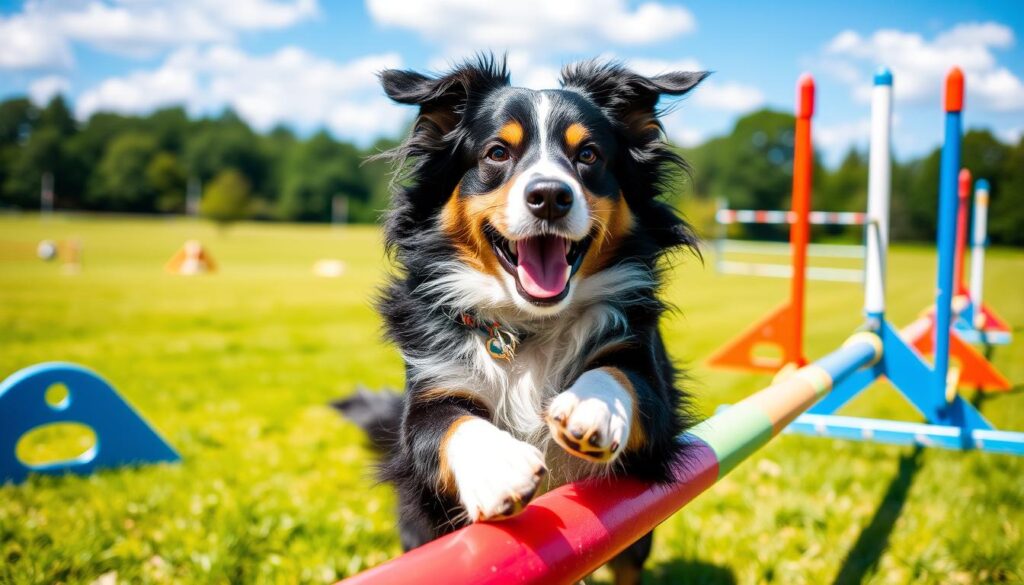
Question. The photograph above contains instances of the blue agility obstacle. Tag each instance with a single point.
(123, 437)
(951, 421)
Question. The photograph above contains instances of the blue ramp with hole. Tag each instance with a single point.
(123, 437)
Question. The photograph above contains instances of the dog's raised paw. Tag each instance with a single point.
(495, 473)
(590, 423)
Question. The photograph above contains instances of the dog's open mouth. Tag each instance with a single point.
(541, 265)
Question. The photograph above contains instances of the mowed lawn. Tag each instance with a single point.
(235, 370)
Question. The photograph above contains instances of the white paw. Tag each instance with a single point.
(496, 474)
(591, 419)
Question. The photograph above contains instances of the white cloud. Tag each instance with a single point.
(685, 136)
(40, 36)
(466, 25)
(838, 138)
(43, 89)
(919, 66)
(652, 67)
(725, 96)
(728, 96)
(1011, 136)
(26, 42)
(289, 86)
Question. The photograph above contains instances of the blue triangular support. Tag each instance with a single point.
(909, 373)
(123, 437)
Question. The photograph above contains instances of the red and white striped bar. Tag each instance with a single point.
(780, 217)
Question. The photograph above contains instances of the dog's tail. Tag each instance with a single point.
(377, 413)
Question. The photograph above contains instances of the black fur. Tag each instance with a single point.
(457, 113)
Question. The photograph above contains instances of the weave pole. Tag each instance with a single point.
(978, 243)
(949, 169)
(567, 533)
(783, 327)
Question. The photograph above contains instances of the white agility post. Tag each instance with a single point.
(978, 240)
(879, 188)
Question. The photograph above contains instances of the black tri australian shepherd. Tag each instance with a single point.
(528, 233)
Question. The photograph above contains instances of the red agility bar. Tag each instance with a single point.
(567, 533)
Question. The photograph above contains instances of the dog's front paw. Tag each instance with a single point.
(496, 475)
(591, 420)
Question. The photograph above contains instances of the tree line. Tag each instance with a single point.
(145, 164)
(751, 167)
(149, 164)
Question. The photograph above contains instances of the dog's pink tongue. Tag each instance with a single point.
(542, 269)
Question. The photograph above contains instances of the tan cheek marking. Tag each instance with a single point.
(614, 220)
(575, 134)
(637, 439)
(463, 219)
(445, 477)
(512, 133)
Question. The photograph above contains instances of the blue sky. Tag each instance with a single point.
(310, 64)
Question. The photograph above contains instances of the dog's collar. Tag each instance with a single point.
(501, 340)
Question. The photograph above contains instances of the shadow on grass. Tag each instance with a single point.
(689, 571)
(874, 539)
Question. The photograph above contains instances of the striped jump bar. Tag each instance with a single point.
(567, 533)
(775, 216)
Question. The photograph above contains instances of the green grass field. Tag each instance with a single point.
(235, 369)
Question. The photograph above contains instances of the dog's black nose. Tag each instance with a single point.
(548, 199)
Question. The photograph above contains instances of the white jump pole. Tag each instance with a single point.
(879, 188)
(978, 241)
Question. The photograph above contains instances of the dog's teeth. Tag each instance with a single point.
(513, 247)
(568, 245)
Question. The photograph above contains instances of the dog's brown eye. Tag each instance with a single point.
(587, 155)
(498, 154)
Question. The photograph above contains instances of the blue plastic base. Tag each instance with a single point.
(951, 425)
(123, 437)
(907, 433)
(978, 337)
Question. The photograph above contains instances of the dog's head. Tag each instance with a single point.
(536, 190)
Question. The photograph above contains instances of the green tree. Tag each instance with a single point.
(41, 153)
(56, 115)
(120, 182)
(226, 142)
(166, 178)
(319, 170)
(34, 142)
(226, 198)
(1006, 214)
(16, 118)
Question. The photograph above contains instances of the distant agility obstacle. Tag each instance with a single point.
(192, 258)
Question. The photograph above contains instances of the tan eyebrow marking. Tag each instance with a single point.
(512, 133)
(575, 134)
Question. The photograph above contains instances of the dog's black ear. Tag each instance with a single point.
(628, 97)
(442, 100)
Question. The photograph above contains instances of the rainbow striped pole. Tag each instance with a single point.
(567, 533)
(978, 242)
(949, 168)
(879, 186)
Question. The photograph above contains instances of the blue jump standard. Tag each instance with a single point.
(952, 424)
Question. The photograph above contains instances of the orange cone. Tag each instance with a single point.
(191, 259)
